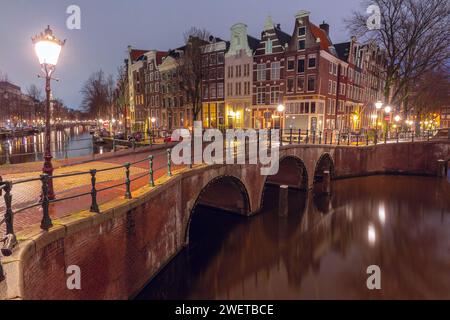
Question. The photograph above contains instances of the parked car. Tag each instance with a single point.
(136, 136)
(119, 136)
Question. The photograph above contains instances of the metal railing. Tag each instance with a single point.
(288, 136)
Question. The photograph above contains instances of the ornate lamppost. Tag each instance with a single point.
(48, 48)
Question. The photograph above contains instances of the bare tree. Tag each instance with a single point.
(97, 95)
(431, 92)
(36, 95)
(190, 67)
(414, 37)
(121, 94)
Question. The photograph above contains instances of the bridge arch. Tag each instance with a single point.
(237, 198)
(325, 163)
(292, 172)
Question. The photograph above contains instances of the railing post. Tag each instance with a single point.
(348, 138)
(8, 204)
(428, 135)
(320, 137)
(357, 140)
(94, 205)
(367, 139)
(169, 162)
(46, 222)
(339, 138)
(270, 138)
(385, 136)
(307, 136)
(151, 181)
(326, 137)
(127, 181)
(299, 136)
(412, 136)
(314, 137)
(331, 138)
(396, 135)
(290, 136)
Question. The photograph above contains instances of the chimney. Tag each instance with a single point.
(325, 27)
(278, 26)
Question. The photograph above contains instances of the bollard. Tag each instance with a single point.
(331, 138)
(441, 170)
(428, 135)
(339, 138)
(283, 203)
(314, 137)
(320, 137)
(326, 137)
(290, 136)
(385, 137)
(270, 138)
(299, 136)
(307, 136)
(326, 184)
(169, 162)
(281, 137)
(367, 139)
(46, 222)
(94, 205)
(357, 140)
(151, 181)
(348, 138)
(127, 181)
(396, 135)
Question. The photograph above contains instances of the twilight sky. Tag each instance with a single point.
(108, 26)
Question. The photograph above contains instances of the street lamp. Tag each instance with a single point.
(378, 105)
(48, 49)
(281, 109)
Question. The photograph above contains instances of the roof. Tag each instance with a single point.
(253, 43)
(135, 54)
(325, 42)
(342, 50)
(159, 56)
(282, 36)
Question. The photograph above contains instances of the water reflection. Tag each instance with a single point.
(323, 248)
(67, 143)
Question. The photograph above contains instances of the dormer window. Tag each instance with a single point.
(301, 31)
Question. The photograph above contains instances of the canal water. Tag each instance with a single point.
(71, 142)
(323, 248)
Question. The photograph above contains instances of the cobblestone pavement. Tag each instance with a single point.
(26, 194)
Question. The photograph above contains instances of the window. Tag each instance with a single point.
(330, 67)
(246, 70)
(261, 95)
(212, 89)
(301, 44)
(300, 84)
(268, 46)
(291, 64)
(205, 92)
(311, 83)
(313, 107)
(205, 60)
(301, 65)
(220, 58)
(261, 72)
(290, 85)
(330, 86)
(311, 61)
(212, 59)
(220, 73)
(157, 87)
(220, 90)
(275, 71)
(274, 95)
(301, 31)
(212, 74)
(334, 87)
(335, 69)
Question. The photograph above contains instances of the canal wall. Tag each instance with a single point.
(120, 249)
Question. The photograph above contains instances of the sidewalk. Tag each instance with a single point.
(28, 193)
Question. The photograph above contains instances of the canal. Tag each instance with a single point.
(323, 248)
(71, 142)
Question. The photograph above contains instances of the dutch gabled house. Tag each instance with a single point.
(269, 76)
(239, 77)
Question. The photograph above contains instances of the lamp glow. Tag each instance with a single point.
(387, 109)
(280, 108)
(47, 47)
(378, 105)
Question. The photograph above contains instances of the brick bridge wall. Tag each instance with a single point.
(119, 250)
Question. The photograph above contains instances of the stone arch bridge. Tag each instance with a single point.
(123, 247)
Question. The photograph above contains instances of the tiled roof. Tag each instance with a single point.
(325, 42)
(135, 54)
(253, 42)
(282, 36)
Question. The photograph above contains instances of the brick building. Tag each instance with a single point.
(213, 83)
(269, 76)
